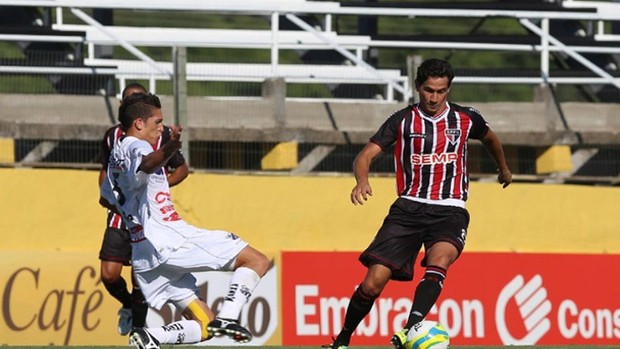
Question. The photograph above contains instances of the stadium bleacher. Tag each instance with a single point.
(311, 29)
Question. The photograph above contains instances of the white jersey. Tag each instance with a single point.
(144, 202)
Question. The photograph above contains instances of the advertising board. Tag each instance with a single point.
(488, 299)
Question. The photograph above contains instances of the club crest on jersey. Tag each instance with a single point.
(453, 134)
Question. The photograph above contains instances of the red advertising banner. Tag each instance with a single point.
(488, 299)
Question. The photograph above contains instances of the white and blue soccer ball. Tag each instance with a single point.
(427, 335)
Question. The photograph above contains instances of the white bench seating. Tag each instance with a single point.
(254, 72)
(220, 38)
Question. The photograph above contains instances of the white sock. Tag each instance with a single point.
(242, 283)
(179, 332)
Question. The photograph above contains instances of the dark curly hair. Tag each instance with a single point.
(138, 105)
(132, 86)
(436, 68)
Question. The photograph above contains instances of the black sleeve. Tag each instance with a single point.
(106, 146)
(387, 133)
(479, 127)
(177, 159)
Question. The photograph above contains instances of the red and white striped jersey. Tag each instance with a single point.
(430, 153)
(111, 136)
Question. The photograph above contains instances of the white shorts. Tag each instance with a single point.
(172, 281)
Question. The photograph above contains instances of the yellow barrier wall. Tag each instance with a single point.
(51, 228)
(57, 210)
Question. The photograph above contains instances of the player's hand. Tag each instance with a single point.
(360, 193)
(175, 133)
(504, 177)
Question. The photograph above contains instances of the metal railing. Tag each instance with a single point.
(353, 48)
(535, 21)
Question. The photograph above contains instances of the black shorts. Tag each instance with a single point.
(410, 225)
(116, 246)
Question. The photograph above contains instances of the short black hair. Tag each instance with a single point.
(436, 68)
(137, 105)
(133, 85)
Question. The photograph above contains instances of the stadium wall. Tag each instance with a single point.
(52, 227)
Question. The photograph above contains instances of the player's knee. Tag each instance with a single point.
(375, 281)
(110, 273)
(253, 259)
(441, 254)
(263, 264)
(443, 262)
(109, 278)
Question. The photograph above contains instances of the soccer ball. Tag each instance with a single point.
(427, 335)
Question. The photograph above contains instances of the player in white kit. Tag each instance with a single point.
(165, 248)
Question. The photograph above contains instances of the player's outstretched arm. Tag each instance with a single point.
(493, 145)
(160, 157)
(361, 169)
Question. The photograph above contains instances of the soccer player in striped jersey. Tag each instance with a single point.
(116, 247)
(430, 156)
(165, 248)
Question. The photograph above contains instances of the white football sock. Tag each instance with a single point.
(179, 332)
(242, 284)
